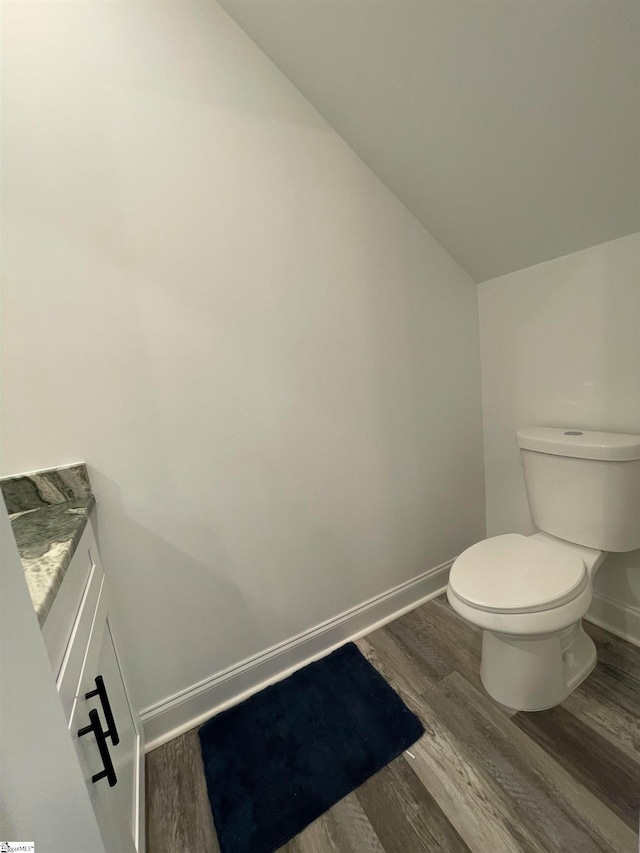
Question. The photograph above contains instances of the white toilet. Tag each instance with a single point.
(529, 593)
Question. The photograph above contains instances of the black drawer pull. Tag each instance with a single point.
(103, 747)
(101, 691)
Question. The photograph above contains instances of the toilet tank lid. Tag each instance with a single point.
(580, 444)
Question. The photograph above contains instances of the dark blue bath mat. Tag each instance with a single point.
(284, 756)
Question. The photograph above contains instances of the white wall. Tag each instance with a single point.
(560, 346)
(270, 367)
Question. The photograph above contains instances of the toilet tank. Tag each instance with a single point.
(583, 487)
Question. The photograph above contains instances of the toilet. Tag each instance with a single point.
(528, 594)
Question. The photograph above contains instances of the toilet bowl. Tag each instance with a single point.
(529, 594)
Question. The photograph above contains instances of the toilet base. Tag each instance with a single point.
(535, 672)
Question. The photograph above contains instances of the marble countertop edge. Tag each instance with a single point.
(49, 511)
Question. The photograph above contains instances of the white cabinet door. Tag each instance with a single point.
(124, 754)
(102, 704)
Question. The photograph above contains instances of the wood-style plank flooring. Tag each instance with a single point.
(483, 777)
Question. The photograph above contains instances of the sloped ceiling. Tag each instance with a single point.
(510, 128)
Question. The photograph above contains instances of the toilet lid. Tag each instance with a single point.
(517, 574)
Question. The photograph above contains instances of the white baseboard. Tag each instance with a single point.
(183, 711)
(620, 619)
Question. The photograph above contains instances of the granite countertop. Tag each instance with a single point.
(49, 511)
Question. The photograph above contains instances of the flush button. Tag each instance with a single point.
(573, 432)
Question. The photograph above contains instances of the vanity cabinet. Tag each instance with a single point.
(103, 728)
(92, 687)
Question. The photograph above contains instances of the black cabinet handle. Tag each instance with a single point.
(94, 726)
(101, 691)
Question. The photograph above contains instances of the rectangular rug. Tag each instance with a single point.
(276, 762)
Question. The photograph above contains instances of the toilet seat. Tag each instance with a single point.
(513, 574)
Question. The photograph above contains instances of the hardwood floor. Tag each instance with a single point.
(483, 777)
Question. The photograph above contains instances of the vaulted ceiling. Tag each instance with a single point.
(510, 128)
